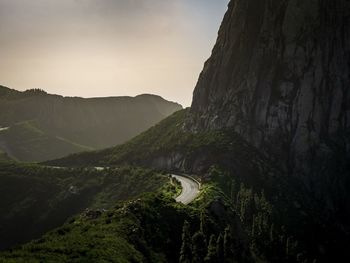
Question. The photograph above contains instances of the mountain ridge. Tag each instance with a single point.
(93, 123)
(270, 112)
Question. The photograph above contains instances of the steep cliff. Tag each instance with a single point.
(279, 75)
(271, 113)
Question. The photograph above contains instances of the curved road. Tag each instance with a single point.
(190, 189)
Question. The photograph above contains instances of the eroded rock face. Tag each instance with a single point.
(280, 75)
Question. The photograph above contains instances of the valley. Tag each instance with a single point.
(267, 137)
(46, 197)
(43, 126)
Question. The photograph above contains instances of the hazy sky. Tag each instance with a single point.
(100, 48)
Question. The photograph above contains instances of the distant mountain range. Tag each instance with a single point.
(37, 126)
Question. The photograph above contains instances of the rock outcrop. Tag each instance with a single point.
(279, 75)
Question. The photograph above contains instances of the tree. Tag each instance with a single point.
(202, 227)
(220, 248)
(233, 192)
(199, 247)
(186, 250)
(212, 256)
(228, 245)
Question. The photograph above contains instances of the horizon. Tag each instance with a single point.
(101, 97)
(108, 48)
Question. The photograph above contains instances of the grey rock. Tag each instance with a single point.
(279, 75)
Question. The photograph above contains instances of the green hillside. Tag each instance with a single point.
(64, 125)
(27, 141)
(247, 177)
(35, 199)
(146, 229)
(4, 156)
(126, 233)
(169, 146)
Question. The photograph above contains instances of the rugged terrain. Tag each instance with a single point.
(279, 76)
(268, 137)
(271, 109)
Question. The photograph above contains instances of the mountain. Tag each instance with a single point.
(268, 138)
(38, 126)
(279, 75)
(270, 113)
(27, 141)
(241, 189)
(168, 146)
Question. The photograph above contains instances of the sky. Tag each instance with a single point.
(98, 48)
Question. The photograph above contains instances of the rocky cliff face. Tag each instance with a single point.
(280, 75)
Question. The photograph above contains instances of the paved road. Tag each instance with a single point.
(190, 189)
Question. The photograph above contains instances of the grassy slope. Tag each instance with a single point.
(147, 229)
(164, 134)
(118, 235)
(166, 137)
(27, 142)
(198, 151)
(73, 124)
(4, 156)
(46, 197)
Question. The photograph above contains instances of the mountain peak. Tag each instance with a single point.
(279, 75)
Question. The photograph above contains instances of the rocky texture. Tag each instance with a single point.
(279, 75)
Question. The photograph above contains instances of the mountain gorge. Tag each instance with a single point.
(43, 126)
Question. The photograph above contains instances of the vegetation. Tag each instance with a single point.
(276, 211)
(248, 210)
(45, 126)
(212, 256)
(186, 247)
(151, 228)
(168, 146)
(133, 231)
(4, 157)
(27, 141)
(46, 197)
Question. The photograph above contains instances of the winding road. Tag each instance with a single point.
(190, 189)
